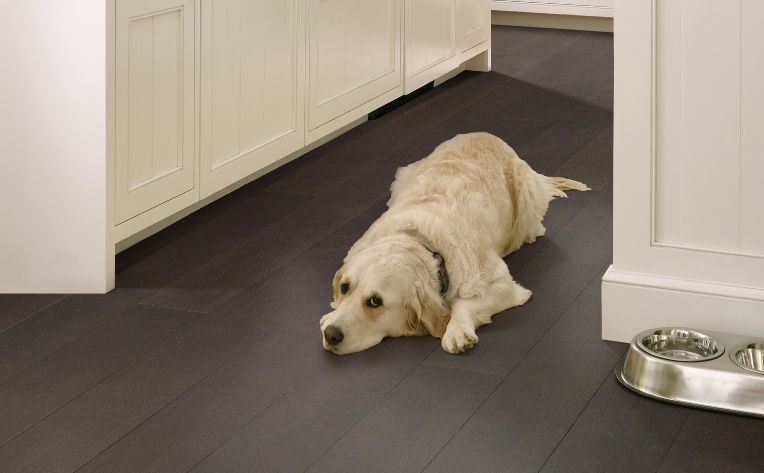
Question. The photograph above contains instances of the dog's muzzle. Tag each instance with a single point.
(333, 335)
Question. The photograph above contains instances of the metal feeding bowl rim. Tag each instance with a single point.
(705, 343)
(757, 345)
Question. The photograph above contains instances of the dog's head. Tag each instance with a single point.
(389, 289)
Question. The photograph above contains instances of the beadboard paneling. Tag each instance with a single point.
(354, 49)
(252, 87)
(155, 103)
(708, 144)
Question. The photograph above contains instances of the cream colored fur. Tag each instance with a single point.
(473, 201)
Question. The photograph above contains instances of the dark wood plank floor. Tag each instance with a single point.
(207, 356)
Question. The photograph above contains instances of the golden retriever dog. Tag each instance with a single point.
(432, 262)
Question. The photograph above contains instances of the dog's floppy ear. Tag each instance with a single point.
(336, 287)
(426, 312)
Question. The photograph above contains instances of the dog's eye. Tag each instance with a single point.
(374, 301)
(344, 287)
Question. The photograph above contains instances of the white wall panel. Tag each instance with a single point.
(686, 143)
(710, 123)
(53, 233)
(752, 128)
(707, 117)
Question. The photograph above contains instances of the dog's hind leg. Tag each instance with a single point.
(468, 314)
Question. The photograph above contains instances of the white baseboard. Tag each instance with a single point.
(560, 22)
(554, 7)
(634, 302)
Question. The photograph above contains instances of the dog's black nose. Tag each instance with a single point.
(333, 335)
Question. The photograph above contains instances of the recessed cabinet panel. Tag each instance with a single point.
(430, 26)
(354, 48)
(708, 146)
(430, 41)
(252, 87)
(154, 103)
(473, 23)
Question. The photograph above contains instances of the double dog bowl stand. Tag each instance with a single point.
(710, 370)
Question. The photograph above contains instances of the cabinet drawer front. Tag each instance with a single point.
(252, 105)
(154, 103)
(354, 48)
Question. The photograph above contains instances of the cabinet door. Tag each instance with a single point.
(154, 114)
(473, 23)
(252, 110)
(430, 41)
(354, 48)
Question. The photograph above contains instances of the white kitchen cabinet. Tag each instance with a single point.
(252, 87)
(354, 60)
(176, 102)
(155, 101)
(430, 46)
(473, 23)
(441, 35)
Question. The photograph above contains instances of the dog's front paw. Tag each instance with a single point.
(458, 340)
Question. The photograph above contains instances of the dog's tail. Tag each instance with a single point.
(562, 184)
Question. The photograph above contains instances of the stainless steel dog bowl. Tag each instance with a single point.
(680, 344)
(684, 366)
(750, 357)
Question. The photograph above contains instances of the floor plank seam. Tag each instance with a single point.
(289, 191)
(428, 100)
(211, 452)
(221, 256)
(180, 309)
(578, 416)
(234, 434)
(379, 401)
(214, 370)
(527, 75)
(63, 296)
(276, 326)
(519, 361)
(673, 440)
(456, 432)
(168, 403)
(340, 232)
(63, 347)
(63, 406)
